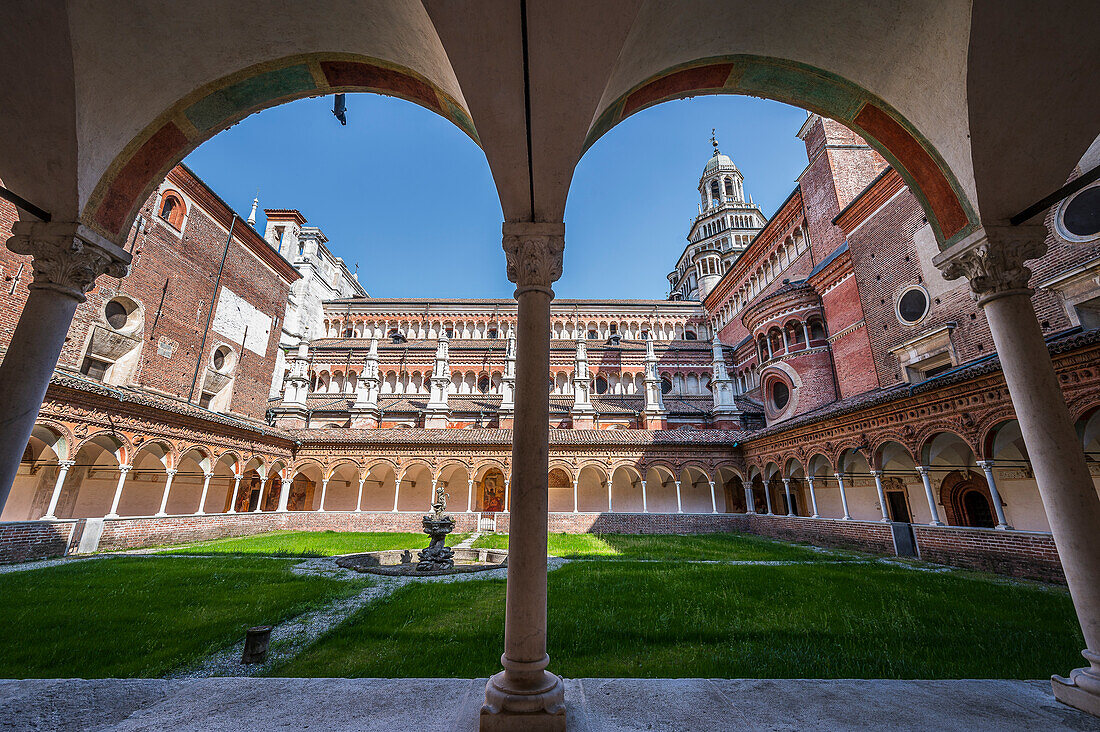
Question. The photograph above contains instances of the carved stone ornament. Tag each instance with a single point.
(534, 251)
(993, 259)
(68, 257)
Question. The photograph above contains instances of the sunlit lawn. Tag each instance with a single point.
(144, 616)
(739, 547)
(313, 543)
(644, 619)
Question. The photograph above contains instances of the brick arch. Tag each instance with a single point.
(330, 470)
(63, 434)
(880, 443)
(928, 434)
(923, 168)
(216, 106)
(297, 466)
(453, 464)
(374, 463)
(171, 453)
(952, 494)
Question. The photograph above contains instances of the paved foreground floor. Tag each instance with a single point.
(594, 704)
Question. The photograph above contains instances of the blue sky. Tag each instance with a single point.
(409, 197)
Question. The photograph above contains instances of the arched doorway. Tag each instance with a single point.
(966, 500)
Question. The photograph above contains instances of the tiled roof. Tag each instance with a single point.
(503, 438)
(163, 402)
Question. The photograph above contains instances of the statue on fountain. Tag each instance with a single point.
(437, 525)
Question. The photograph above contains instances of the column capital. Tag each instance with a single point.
(172, 471)
(66, 463)
(786, 482)
(124, 468)
(208, 474)
(875, 473)
(992, 258)
(984, 464)
(534, 251)
(922, 470)
(68, 256)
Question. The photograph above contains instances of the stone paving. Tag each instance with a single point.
(612, 705)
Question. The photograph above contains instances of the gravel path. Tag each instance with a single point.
(293, 636)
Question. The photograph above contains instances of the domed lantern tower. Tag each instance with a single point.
(722, 230)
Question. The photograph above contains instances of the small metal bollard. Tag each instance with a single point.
(256, 641)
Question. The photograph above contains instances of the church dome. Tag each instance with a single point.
(718, 161)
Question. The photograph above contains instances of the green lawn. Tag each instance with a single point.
(313, 543)
(665, 546)
(144, 616)
(635, 619)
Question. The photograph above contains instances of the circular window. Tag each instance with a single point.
(1078, 217)
(912, 305)
(116, 314)
(781, 395)
(222, 358)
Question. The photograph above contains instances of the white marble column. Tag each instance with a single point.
(645, 505)
(507, 495)
(206, 476)
(750, 500)
(167, 487)
(284, 495)
(926, 479)
(679, 504)
(62, 470)
(787, 491)
(122, 471)
(525, 695)
(324, 492)
(575, 503)
(68, 257)
(397, 490)
(843, 496)
(359, 497)
(987, 468)
(713, 499)
(236, 490)
(260, 497)
(768, 496)
(877, 474)
(470, 496)
(609, 482)
(993, 260)
(813, 496)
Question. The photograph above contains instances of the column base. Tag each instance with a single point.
(159, 514)
(930, 523)
(538, 708)
(1082, 689)
(1003, 527)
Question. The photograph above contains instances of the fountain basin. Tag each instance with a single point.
(402, 562)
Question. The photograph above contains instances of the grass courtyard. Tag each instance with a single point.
(635, 606)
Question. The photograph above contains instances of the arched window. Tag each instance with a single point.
(689, 335)
(483, 385)
(601, 385)
(172, 209)
(666, 385)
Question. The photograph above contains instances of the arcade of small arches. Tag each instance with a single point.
(404, 330)
(686, 382)
(797, 334)
(787, 250)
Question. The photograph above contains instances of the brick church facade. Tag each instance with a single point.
(811, 376)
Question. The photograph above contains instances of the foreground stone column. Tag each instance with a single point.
(987, 468)
(881, 494)
(843, 496)
(122, 471)
(525, 696)
(202, 496)
(993, 261)
(813, 496)
(63, 470)
(68, 257)
(923, 472)
(167, 488)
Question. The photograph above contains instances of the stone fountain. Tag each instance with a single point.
(437, 557)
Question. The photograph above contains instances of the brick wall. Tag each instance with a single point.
(1031, 555)
(172, 278)
(21, 541)
(864, 536)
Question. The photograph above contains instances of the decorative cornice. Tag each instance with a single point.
(992, 258)
(68, 256)
(534, 251)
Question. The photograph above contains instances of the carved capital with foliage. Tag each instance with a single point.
(68, 257)
(993, 259)
(534, 251)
